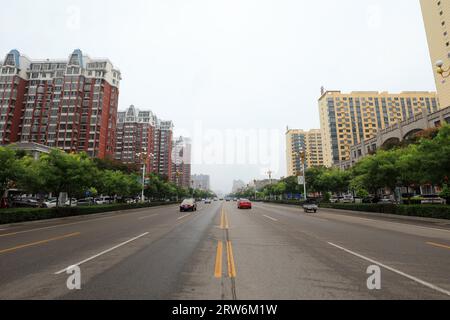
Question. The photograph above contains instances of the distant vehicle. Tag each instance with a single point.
(104, 200)
(386, 201)
(85, 202)
(310, 206)
(221, 199)
(335, 199)
(244, 204)
(348, 198)
(432, 199)
(188, 205)
(227, 199)
(52, 202)
(26, 203)
(208, 201)
(235, 199)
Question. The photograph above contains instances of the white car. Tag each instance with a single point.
(208, 201)
(51, 203)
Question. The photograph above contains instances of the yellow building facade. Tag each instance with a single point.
(298, 141)
(348, 118)
(436, 16)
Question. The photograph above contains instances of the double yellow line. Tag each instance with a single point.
(224, 225)
(230, 261)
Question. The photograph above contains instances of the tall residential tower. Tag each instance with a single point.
(349, 118)
(436, 15)
(69, 104)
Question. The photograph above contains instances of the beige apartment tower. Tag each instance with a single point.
(436, 15)
(298, 141)
(348, 118)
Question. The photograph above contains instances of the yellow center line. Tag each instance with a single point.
(222, 220)
(231, 265)
(438, 245)
(227, 225)
(39, 242)
(218, 269)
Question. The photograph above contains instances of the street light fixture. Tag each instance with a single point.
(441, 70)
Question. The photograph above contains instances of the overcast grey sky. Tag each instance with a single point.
(240, 67)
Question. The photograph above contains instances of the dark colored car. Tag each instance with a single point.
(188, 205)
(244, 204)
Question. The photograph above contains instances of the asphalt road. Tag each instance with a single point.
(220, 252)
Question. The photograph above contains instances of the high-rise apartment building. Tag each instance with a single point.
(436, 15)
(163, 139)
(141, 135)
(309, 142)
(181, 162)
(201, 182)
(69, 104)
(349, 118)
(135, 137)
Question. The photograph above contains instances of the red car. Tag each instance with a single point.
(244, 204)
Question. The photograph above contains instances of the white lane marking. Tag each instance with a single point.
(187, 215)
(102, 253)
(150, 216)
(273, 219)
(422, 282)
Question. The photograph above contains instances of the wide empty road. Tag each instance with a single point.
(220, 252)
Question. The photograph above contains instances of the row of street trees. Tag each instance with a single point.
(80, 176)
(425, 160)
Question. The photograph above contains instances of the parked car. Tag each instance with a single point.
(208, 201)
(432, 199)
(85, 202)
(335, 199)
(244, 204)
(386, 201)
(348, 198)
(52, 202)
(188, 205)
(104, 200)
(26, 203)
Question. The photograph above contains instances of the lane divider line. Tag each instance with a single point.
(39, 242)
(186, 215)
(422, 282)
(218, 268)
(273, 219)
(227, 225)
(438, 245)
(102, 253)
(150, 216)
(231, 265)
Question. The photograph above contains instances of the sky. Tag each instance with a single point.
(232, 74)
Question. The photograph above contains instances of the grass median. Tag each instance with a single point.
(30, 214)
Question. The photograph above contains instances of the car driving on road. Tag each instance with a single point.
(188, 205)
(244, 204)
(310, 206)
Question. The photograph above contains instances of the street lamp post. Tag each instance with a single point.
(270, 178)
(144, 158)
(302, 156)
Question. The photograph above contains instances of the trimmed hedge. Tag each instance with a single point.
(29, 214)
(426, 211)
